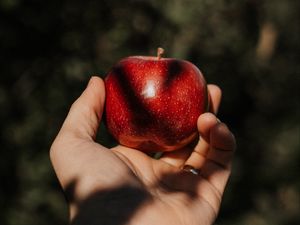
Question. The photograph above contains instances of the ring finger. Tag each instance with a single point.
(199, 154)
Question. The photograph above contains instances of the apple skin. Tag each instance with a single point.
(153, 103)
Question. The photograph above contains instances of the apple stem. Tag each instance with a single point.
(160, 51)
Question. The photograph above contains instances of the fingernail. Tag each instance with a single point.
(90, 81)
(219, 121)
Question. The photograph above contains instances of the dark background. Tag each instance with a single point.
(250, 48)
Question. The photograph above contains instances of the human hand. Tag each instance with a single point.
(125, 186)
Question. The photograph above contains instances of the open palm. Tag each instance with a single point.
(126, 186)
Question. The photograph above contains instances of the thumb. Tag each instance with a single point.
(85, 113)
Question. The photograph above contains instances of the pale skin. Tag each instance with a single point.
(126, 186)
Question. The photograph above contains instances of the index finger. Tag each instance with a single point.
(215, 96)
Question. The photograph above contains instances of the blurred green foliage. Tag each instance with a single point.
(250, 48)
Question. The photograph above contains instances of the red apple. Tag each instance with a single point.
(153, 103)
